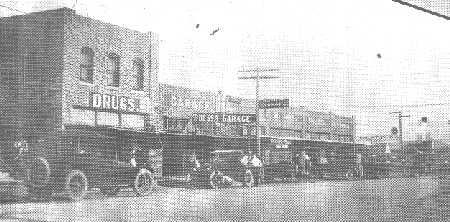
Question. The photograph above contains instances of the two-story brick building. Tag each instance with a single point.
(60, 69)
(79, 91)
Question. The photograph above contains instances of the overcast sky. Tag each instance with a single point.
(353, 57)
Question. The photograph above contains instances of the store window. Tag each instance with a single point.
(87, 65)
(113, 70)
(138, 70)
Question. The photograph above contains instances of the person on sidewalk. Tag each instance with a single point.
(305, 163)
(246, 158)
(359, 166)
(323, 163)
(256, 166)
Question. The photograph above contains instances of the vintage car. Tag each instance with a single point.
(279, 165)
(280, 161)
(80, 158)
(223, 169)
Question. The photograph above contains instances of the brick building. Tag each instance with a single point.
(300, 123)
(178, 105)
(58, 68)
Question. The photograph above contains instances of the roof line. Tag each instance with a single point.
(422, 9)
(12, 9)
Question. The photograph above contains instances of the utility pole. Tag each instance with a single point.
(258, 77)
(400, 132)
(400, 127)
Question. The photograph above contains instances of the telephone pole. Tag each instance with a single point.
(400, 128)
(258, 77)
(400, 133)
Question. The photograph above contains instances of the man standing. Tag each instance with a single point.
(256, 165)
(359, 165)
(323, 162)
(245, 159)
(133, 157)
(305, 163)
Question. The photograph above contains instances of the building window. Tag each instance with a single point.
(87, 65)
(138, 70)
(113, 70)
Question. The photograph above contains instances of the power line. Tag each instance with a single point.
(399, 105)
(422, 9)
(12, 9)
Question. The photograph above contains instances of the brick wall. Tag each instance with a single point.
(40, 55)
(31, 48)
(103, 39)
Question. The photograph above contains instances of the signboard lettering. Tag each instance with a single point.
(224, 118)
(190, 103)
(112, 102)
(273, 103)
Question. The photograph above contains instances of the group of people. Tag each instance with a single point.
(303, 163)
(251, 161)
(304, 167)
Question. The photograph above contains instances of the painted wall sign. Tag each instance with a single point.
(273, 103)
(112, 102)
(190, 103)
(224, 118)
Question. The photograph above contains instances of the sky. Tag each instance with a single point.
(364, 58)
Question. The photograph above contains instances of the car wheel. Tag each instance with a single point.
(248, 179)
(76, 185)
(144, 182)
(110, 191)
(214, 180)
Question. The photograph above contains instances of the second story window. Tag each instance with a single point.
(138, 72)
(87, 65)
(113, 70)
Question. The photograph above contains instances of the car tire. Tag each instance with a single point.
(213, 180)
(144, 182)
(110, 191)
(248, 179)
(76, 185)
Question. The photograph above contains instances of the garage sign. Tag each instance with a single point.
(224, 118)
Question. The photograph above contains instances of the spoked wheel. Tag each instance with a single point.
(110, 191)
(144, 182)
(248, 179)
(215, 180)
(76, 185)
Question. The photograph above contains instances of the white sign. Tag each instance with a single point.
(111, 102)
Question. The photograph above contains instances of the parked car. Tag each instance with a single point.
(77, 159)
(223, 170)
(279, 164)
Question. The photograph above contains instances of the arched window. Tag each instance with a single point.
(138, 71)
(87, 65)
(113, 70)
